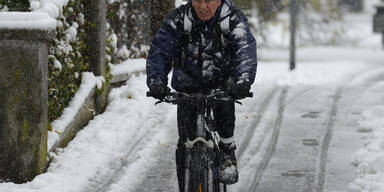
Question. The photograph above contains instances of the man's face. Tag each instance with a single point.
(205, 9)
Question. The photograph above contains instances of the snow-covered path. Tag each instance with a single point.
(293, 138)
(298, 133)
(319, 128)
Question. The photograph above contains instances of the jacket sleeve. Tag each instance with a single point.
(244, 48)
(159, 60)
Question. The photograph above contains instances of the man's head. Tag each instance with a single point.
(205, 9)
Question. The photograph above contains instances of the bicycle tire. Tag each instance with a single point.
(217, 185)
(211, 180)
(205, 177)
(196, 173)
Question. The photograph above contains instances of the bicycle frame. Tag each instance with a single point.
(202, 163)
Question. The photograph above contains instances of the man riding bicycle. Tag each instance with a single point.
(210, 46)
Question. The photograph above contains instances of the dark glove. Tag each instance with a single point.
(241, 89)
(159, 91)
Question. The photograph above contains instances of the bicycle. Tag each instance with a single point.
(202, 153)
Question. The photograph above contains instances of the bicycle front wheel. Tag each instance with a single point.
(197, 172)
(214, 184)
(201, 174)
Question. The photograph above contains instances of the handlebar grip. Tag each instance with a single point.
(149, 94)
(250, 94)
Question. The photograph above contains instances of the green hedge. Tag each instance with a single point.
(15, 5)
(67, 58)
(67, 52)
(129, 22)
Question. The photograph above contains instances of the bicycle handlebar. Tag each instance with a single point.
(172, 97)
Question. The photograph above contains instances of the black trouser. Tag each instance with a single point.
(224, 115)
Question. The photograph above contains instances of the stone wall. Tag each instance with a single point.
(23, 103)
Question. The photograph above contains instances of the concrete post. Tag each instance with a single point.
(382, 39)
(378, 20)
(293, 9)
(95, 14)
(23, 101)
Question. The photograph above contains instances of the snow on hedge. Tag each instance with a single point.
(52, 7)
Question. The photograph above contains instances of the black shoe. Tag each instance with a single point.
(228, 166)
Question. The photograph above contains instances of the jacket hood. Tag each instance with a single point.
(226, 8)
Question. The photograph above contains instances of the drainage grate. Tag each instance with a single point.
(310, 142)
(295, 173)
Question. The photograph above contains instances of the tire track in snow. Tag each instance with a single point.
(367, 78)
(120, 169)
(161, 176)
(273, 142)
(316, 181)
(260, 115)
(244, 145)
(327, 140)
(253, 127)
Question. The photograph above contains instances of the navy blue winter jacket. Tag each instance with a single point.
(204, 55)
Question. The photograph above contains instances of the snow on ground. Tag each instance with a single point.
(128, 66)
(101, 147)
(369, 160)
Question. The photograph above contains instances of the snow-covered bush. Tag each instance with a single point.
(68, 51)
(67, 58)
(128, 28)
(319, 22)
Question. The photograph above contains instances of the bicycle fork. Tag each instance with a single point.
(198, 163)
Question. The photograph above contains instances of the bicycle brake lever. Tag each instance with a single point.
(238, 102)
(158, 102)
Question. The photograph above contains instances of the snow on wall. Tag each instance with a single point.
(26, 20)
(89, 82)
(44, 15)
